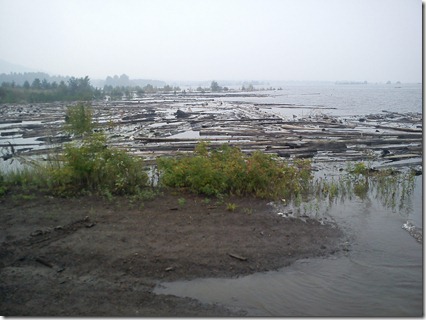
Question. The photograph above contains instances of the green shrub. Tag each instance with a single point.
(359, 168)
(228, 171)
(95, 167)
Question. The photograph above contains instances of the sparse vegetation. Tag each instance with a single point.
(231, 207)
(388, 186)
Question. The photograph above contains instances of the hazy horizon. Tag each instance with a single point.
(190, 40)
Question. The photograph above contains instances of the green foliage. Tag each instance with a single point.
(91, 166)
(228, 171)
(44, 91)
(78, 119)
(359, 168)
(95, 167)
(231, 207)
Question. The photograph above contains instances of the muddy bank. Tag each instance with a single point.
(92, 257)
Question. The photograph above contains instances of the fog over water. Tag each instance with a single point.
(358, 40)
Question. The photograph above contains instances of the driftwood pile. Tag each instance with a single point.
(171, 124)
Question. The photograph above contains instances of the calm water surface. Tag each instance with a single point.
(348, 100)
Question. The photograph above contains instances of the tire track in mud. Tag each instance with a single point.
(19, 250)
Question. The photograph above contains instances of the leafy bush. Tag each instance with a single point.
(95, 167)
(228, 170)
(91, 166)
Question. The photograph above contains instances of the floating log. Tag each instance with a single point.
(229, 133)
(10, 121)
(402, 156)
(293, 106)
(12, 133)
(399, 129)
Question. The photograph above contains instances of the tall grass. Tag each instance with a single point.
(391, 188)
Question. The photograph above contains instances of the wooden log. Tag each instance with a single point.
(229, 133)
(238, 257)
(44, 262)
(399, 129)
(402, 156)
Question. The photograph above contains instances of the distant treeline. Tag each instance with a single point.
(21, 78)
(40, 87)
(130, 92)
(125, 81)
(44, 91)
(74, 89)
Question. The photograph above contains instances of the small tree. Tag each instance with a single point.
(36, 84)
(215, 87)
(78, 119)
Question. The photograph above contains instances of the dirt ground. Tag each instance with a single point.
(89, 256)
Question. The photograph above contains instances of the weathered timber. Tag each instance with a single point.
(229, 133)
(402, 156)
(11, 133)
(136, 120)
(293, 106)
(237, 256)
(399, 129)
(3, 145)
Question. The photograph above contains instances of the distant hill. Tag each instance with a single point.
(7, 67)
(20, 78)
(18, 74)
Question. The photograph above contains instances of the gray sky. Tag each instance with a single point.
(373, 40)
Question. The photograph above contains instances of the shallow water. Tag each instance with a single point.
(381, 274)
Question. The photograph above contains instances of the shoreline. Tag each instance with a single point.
(73, 253)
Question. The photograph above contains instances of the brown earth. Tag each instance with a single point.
(89, 256)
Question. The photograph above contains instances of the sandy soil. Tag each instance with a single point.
(89, 256)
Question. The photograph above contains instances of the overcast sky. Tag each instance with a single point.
(373, 40)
